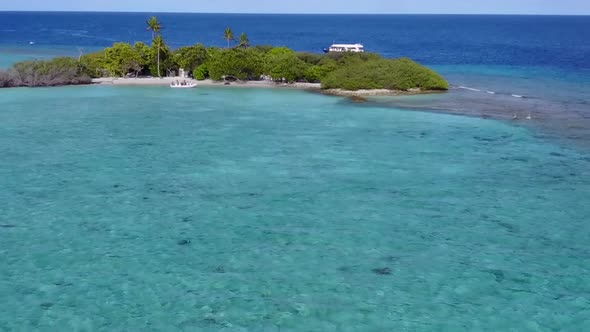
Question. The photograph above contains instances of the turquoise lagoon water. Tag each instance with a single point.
(151, 209)
(9, 55)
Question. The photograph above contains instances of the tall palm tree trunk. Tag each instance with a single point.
(159, 75)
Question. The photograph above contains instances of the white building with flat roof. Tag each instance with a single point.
(357, 48)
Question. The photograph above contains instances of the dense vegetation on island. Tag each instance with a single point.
(58, 71)
(397, 74)
(239, 60)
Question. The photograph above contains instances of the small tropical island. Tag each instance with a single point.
(338, 73)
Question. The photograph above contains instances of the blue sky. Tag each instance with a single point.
(313, 6)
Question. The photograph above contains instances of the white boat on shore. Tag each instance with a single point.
(355, 48)
(183, 85)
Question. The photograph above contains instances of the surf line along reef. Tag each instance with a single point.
(340, 73)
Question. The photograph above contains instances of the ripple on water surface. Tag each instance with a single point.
(150, 209)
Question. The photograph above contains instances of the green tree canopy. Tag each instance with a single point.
(285, 66)
(121, 59)
(94, 63)
(201, 72)
(241, 63)
(310, 58)
(144, 52)
(275, 51)
(190, 57)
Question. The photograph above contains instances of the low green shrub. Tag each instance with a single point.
(58, 71)
(201, 72)
(397, 74)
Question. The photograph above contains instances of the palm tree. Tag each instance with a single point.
(243, 40)
(154, 26)
(228, 35)
(159, 43)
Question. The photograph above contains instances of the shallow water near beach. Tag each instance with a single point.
(10, 55)
(144, 209)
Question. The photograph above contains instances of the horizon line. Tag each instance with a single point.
(258, 13)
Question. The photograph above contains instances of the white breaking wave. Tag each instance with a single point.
(468, 88)
(490, 92)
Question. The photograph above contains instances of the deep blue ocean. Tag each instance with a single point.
(552, 41)
(232, 209)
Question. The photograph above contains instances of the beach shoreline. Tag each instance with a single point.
(166, 81)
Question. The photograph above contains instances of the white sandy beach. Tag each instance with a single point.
(165, 81)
